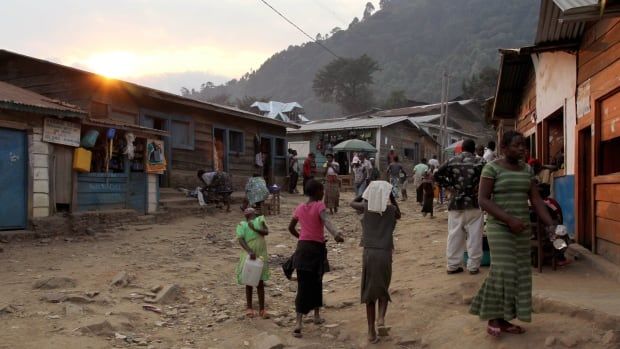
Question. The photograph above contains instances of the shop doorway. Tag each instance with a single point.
(13, 189)
(585, 188)
(266, 147)
(220, 155)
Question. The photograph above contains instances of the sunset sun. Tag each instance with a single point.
(114, 64)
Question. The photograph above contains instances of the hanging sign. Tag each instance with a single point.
(61, 132)
(583, 99)
(155, 160)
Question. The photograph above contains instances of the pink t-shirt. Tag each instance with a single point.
(309, 217)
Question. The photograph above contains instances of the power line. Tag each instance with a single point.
(328, 9)
(298, 28)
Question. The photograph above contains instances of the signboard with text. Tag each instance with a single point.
(61, 132)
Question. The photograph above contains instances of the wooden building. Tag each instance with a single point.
(35, 163)
(564, 95)
(407, 139)
(196, 135)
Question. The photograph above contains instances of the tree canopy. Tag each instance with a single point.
(346, 81)
(481, 85)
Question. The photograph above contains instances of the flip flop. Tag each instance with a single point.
(297, 333)
(513, 329)
(250, 313)
(494, 331)
(374, 340)
(383, 331)
(263, 314)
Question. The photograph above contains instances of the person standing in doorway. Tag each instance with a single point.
(293, 167)
(309, 170)
(418, 172)
(465, 219)
(489, 152)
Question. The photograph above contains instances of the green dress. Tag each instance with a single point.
(257, 243)
(507, 291)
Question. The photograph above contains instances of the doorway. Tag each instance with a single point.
(220, 155)
(13, 189)
(584, 186)
(266, 147)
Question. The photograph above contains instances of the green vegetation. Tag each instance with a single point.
(413, 41)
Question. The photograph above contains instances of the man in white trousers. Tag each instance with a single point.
(465, 219)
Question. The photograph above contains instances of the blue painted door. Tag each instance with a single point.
(136, 191)
(13, 176)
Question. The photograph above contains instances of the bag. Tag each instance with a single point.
(288, 267)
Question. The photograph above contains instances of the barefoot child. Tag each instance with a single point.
(251, 236)
(310, 259)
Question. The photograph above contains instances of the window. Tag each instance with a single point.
(182, 135)
(413, 154)
(235, 142)
(609, 146)
(553, 153)
(280, 147)
(98, 110)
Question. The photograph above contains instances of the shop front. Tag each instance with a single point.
(117, 167)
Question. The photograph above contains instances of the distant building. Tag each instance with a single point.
(287, 112)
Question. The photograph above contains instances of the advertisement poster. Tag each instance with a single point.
(61, 132)
(155, 160)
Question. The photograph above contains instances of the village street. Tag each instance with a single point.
(207, 310)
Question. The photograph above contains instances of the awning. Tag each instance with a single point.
(108, 123)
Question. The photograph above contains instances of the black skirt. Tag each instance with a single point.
(429, 195)
(310, 261)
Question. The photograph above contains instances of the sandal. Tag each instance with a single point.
(513, 329)
(494, 331)
(297, 333)
(318, 321)
(250, 313)
(263, 314)
(374, 340)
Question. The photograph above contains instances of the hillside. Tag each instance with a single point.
(413, 41)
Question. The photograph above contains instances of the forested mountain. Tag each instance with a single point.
(413, 41)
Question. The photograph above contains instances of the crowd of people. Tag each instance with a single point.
(501, 187)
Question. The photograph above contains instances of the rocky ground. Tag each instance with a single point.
(173, 286)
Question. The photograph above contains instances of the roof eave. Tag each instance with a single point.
(6, 105)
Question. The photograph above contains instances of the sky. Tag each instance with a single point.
(166, 44)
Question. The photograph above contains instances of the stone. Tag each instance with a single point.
(7, 309)
(221, 318)
(344, 337)
(90, 231)
(120, 280)
(569, 341)
(168, 294)
(407, 342)
(54, 283)
(157, 288)
(611, 337)
(103, 328)
(54, 297)
(73, 310)
(550, 341)
(78, 299)
(265, 340)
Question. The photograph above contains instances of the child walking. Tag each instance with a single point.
(310, 258)
(251, 236)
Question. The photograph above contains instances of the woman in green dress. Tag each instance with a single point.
(251, 236)
(505, 187)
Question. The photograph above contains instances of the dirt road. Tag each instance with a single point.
(199, 255)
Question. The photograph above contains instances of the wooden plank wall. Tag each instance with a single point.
(527, 107)
(599, 62)
(401, 136)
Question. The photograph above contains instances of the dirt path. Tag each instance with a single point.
(199, 255)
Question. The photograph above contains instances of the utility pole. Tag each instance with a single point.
(443, 120)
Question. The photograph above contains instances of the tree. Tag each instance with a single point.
(347, 81)
(335, 30)
(222, 98)
(383, 3)
(354, 22)
(397, 99)
(481, 85)
(185, 92)
(245, 102)
(370, 8)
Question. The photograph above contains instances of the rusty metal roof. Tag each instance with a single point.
(515, 68)
(19, 99)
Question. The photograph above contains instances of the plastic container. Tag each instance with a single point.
(89, 139)
(111, 132)
(252, 271)
(81, 160)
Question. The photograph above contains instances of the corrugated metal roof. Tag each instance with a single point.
(567, 5)
(347, 124)
(17, 98)
(162, 95)
(551, 29)
(514, 72)
(425, 118)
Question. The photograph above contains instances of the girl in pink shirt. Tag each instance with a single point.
(310, 258)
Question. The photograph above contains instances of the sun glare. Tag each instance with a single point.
(113, 64)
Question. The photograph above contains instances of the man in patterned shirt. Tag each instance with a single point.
(461, 175)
